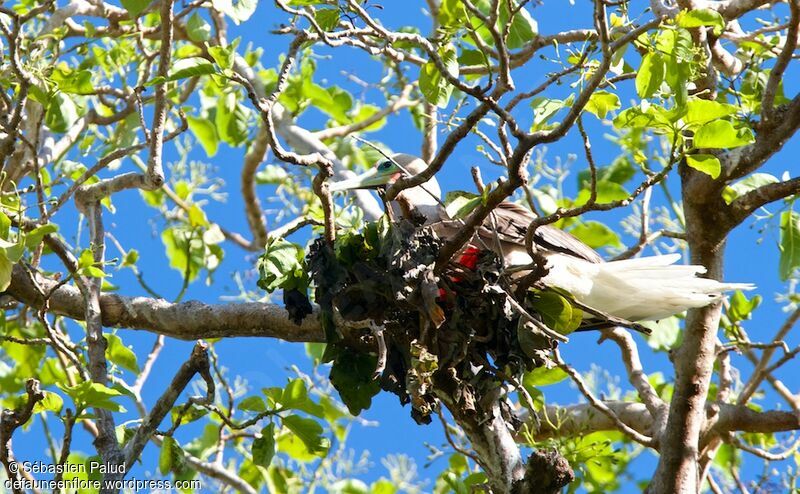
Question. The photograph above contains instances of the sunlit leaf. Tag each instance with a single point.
(542, 376)
(700, 111)
(280, 266)
(135, 7)
(602, 102)
(197, 28)
(721, 134)
(596, 235)
(118, 353)
(206, 134)
(50, 403)
(309, 431)
(556, 311)
(61, 113)
(705, 163)
(650, 75)
(790, 243)
(702, 17)
(433, 85)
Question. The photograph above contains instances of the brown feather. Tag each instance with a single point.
(511, 221)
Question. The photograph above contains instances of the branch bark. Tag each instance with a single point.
(190, 320)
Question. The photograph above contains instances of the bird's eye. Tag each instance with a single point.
(385, 165)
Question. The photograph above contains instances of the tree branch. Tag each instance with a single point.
(198, 363)
(191, 320)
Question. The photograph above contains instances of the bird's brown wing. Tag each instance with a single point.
(511, 222)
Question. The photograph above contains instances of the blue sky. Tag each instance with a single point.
(752, 253)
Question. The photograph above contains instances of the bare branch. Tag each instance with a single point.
(601, 406)
(198, 363)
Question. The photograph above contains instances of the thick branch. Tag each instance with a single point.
(583, 419)
(191, 320)
(745, 205)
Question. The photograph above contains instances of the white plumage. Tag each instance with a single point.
(643, 289)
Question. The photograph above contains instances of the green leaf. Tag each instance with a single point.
(206, 134)
(459, 203)
(295, 394)
(596, 235)
(747, 184)
(238, 10)
(327, 19)
(677, 49)
(280, 266)
(224, 55)
(652, 117)
(433, 85)
(741, 308)
(73, 81)
(50, 403)
(264, 446)
(118, 353)
(190, 67)
(606, 192)
(130, 258)
(34, 237)
(705, 163)
(650, 75)
(171, 458)
(231, 120)
(351, 375)
(87, 265)
(271, 174)
(253, 404)
(721, 134)
(367, 111)
(309, 432)
(545, 108)
(61, 113)
(790, 244)
(701, 17)
(619, 171)
(6, 268)
(188, 415)
(197, 28)
(135, 7)
(556, 311)
(523, 27)
(452, 13)
(197, 217)
(92, 394)
(701, 111)
(602, 102)
(542, 376)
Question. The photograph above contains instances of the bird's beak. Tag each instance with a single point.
(370, 179)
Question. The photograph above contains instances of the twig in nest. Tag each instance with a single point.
(377, 332)
(616, 321)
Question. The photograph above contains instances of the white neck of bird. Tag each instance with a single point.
(424, 199)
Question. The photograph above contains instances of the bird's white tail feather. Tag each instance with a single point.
(646, 288)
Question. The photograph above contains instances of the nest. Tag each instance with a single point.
(459, 323)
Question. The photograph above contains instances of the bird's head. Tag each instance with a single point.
(385, 172)
(422, 198)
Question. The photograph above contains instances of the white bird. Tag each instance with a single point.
(642, 289)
